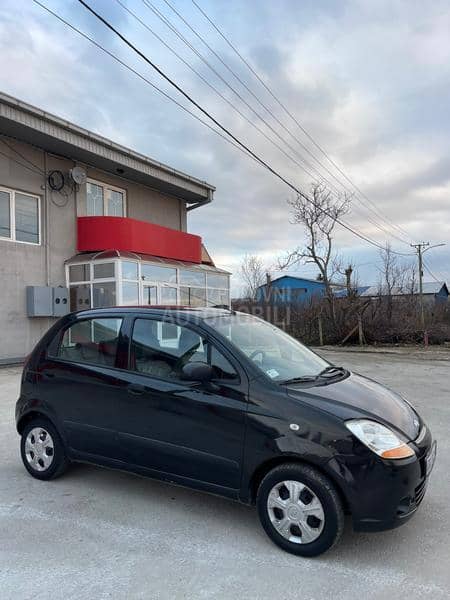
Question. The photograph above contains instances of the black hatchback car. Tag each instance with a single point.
(227, 403)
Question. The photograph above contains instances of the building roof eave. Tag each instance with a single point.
(32, 125)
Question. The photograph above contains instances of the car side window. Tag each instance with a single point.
(91, 341)
(161, 349)
(223, 369)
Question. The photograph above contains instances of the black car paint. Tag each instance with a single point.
(224, 438)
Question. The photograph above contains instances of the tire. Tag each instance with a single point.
(42, 450)
(304, 517)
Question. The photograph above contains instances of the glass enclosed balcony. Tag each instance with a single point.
(120, 278)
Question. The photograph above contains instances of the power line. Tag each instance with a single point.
(216, 91)
(9, 157)
(249, 90)
(288, 112)
(176, 31)
(378, 224)
(236, 142)
(427, 268)
(223, 128)
(155, 87)
(35, 167)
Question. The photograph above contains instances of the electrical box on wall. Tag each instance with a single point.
(39, 301)
(45, 301)
(60, 301)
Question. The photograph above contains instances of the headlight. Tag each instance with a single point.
(379, 439)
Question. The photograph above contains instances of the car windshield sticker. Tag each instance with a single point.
(272, 373)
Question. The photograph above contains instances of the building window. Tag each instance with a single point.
(104, 200)
(217, 280)
(103, 270)
(19, 217)
(218, 289)
(218, 297)
(130, 270)
(168, 295)
(104, 294)
(192, 296)
(79, 273)
(149, 294)
(80, 297)
(130, 293)
(192, 278)
(5, 214)
(105, 283)
(154, 273)
(92, 288)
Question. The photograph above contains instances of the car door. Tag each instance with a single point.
(79, 382)
(190, 430)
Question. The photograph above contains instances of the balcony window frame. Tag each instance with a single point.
(12, 216)
(141, 281)
(105, 187)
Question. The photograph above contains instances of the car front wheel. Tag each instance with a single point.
(42, 450)
(300, 509)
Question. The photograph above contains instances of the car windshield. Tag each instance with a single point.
(275, 353)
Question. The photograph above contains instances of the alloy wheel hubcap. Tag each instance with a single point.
(39, 449)
(296, 512)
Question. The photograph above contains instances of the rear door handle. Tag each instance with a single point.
(136, 389)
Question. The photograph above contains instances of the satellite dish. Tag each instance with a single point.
(78, 174)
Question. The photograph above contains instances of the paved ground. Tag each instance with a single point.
(97, 534)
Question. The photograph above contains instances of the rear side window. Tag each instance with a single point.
(91, 341)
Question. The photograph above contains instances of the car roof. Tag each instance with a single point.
(186, 312)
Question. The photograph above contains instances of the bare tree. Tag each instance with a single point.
(253, 274)
(318, 215)
(396, 277)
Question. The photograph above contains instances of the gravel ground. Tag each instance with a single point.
(96, 534)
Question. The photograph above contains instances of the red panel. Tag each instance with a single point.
(121, 233)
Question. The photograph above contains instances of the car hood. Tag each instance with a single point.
(356, 397)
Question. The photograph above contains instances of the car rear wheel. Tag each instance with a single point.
(42, 450)
(300, 509)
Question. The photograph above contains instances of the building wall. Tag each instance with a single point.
(292, 289)
(143, 203)
(28, 264)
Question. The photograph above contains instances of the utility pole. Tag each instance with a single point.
(420, 250)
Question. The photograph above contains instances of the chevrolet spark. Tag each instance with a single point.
(226, 403)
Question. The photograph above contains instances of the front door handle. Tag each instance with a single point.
(136, 389)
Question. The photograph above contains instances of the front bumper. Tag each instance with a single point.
(385, 494)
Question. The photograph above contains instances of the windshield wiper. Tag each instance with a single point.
(327, 373)
(332, 370)
(299, 379)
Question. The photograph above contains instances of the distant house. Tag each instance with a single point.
(433, 292)
(289, 289)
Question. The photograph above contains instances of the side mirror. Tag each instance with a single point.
(197, 371)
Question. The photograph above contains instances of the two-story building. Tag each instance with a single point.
(86, 222)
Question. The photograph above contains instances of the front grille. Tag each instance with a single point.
(419, 492)
(410, 503)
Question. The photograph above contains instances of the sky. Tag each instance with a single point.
(368, 80)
